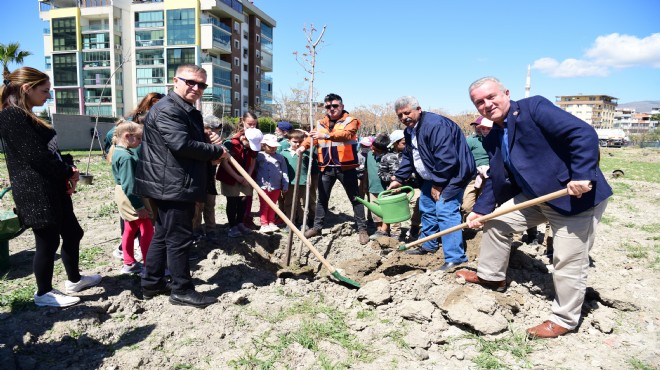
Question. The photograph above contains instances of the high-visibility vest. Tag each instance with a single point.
(337, 154)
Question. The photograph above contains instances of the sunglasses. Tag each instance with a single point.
(332, 106)
(191, 83)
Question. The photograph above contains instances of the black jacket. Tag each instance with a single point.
(37, 171)
(174, 154)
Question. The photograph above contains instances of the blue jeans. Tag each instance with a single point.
(438, 216)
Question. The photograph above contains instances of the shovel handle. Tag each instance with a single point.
(498, 212)
(284, 218)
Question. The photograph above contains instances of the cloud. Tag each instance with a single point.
(607, 52)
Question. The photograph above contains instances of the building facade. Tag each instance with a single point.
(632, 122)
(596, 110)
(104, 56)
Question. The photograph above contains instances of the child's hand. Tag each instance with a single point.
(143, 213)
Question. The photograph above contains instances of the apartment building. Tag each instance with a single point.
(104, 56)
(632, 122)
(596, 110)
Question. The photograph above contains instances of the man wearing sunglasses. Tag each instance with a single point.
(337, 145)
(173, 171)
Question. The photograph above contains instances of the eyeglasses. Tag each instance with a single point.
(191, 83)
(332, 106)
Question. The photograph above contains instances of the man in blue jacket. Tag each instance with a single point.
(536, 148)
(436, 151)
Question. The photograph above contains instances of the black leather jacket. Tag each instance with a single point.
(174, 154)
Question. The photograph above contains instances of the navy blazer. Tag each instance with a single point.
(549, 147)
(444, 152)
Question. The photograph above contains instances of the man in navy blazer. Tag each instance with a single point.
(536, 148)
(437, 153)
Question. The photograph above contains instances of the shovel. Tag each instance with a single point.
(293, 227)
(289, 240)
(498, 212)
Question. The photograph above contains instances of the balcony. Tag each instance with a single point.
(215, 39)
(223, 8)
(216, 61)
(149, 43)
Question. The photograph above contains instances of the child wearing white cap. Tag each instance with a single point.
(272, 177)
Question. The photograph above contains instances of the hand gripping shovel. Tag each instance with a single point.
(498, 212)
(293, 227)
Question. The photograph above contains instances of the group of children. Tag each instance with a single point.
(275, 161)
(379, 158)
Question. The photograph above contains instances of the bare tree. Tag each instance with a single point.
(308, 61)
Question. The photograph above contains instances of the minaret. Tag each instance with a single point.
(528, 82)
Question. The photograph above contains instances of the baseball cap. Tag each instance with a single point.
(395, 136)
(367, 141)
(482, 121)
(254, 136)
(284, 126)
(270, 140)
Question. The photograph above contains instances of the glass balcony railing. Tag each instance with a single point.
(95, 27)
(216, 23)
(150, 24)
(216, 61)
(147, 43)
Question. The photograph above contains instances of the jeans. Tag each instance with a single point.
(170, 247)
(438, 216)
(348, 178)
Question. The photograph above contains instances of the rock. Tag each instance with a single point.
(603, 320)
(296, 356)
(421, 354)
(420, 311)
(28, 338)
(615, 297)
(460, 355)
(376, 292)
(418, 339)
(475, 308)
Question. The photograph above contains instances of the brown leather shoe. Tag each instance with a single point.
(547, 329)
(312, 232)
(471, 277)
(363, 236)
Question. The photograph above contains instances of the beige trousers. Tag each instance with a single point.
(573, 238)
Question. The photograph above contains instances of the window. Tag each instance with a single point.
(96, 41)
(96, 59)
(64, 34)
(149, 38)
(149, 19)
(236, 113)
(237, 27)
(245, 52)
(176, 57)
(236, 78)
(150, 57)
(221, 76)
(257, 100)
(245, 67)
(258, 85)
(65, 69)
(258, 22)
(148, 76)
(236, 44)
(48, 63)
(258, 39)
(141, 92)
(245, 35)
(96, 76)
(258, 70)
(181, 27)
(67, 101)
(237, 96)
(237, 62)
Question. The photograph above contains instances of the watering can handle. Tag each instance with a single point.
(410, 190)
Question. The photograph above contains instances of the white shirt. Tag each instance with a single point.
(423, 172)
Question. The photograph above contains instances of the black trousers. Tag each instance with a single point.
(47, 240)
(348, 179)
(170, 247)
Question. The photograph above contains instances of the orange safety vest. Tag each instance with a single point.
(337, 154)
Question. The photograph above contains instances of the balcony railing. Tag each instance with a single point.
(237, 6)
(216, 61)
(216, 23)
(147, 43)
(96, 99)
(150, 61)
(95, 27)
(150, 24)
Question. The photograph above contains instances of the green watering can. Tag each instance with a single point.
(392, 205)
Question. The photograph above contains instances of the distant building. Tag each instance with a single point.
(87, 41)
(596, 110)
(632, 122)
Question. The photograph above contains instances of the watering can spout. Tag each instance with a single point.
(373, 207)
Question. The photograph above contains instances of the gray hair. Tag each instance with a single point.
(212, 122)
(190, 67)
(406, 101)
(483, 80)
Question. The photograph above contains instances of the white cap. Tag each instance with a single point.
(395, 136)
(270, 140)
(254, 136)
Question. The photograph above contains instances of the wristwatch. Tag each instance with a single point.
(327, 136)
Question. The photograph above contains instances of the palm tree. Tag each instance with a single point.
(10, 53)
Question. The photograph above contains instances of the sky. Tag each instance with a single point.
(373, 52)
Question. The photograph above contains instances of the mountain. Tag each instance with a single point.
(641, 106)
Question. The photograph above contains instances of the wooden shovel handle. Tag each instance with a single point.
(498, 212)
(284, 218)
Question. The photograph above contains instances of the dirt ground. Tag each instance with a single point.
(405, 315)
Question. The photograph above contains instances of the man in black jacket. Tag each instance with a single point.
(173, 172)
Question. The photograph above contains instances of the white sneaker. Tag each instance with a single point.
(135, 268)
(274, 228)
(118, 253)
(55, 298)
(85, 282)
(265, 229)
